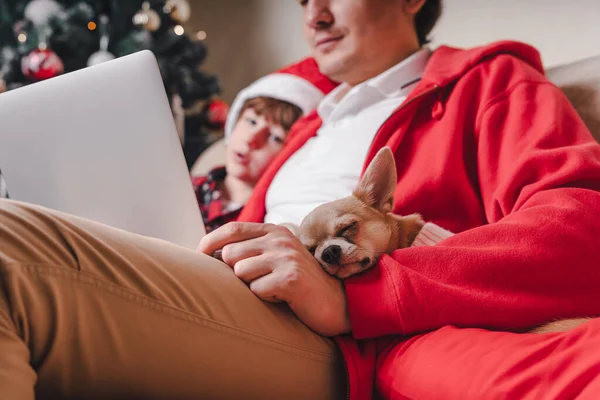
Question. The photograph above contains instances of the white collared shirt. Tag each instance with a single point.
(329, 165)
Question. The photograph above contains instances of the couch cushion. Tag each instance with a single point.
(210, 158)
(580, 81)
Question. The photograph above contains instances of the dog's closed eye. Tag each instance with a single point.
(348, 230)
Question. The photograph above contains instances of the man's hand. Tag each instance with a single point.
(277, 268)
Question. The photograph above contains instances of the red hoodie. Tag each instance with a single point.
(488, 148)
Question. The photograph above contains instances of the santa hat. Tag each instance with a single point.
(300, 84)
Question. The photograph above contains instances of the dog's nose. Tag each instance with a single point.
(332, 254)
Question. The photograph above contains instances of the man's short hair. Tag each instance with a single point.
(277, 111)
(426, 19)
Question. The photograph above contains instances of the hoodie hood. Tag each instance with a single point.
(448, 64)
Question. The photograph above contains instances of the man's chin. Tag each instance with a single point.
(331, 64)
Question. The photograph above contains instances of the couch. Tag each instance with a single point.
(580, 81)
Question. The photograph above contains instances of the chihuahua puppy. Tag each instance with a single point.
(349, 235)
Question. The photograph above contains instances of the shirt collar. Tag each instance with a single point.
(401, 76)
(396, 81)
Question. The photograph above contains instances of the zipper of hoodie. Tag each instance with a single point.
(431, 89)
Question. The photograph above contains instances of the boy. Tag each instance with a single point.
(256, 130)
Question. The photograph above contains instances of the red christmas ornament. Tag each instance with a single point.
(41, 64)
(217, 113)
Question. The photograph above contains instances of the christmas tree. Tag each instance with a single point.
(40, 39)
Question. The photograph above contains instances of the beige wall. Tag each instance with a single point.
(563, 30)
(249, 38)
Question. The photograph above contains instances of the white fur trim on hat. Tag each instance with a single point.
(280, 86)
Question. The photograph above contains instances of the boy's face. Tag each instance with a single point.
(354, 40)
(254, 142)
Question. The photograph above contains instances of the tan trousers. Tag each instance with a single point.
(91, 312)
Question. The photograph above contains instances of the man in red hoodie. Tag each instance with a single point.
(485, 147)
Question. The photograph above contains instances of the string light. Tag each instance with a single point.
(201, 35)
(91, 26)
(179, 30)
(22, 37)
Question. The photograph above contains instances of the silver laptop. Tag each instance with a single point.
(101, 143)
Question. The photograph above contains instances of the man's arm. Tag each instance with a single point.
(538, 259)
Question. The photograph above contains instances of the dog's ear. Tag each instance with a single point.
(376, 187)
